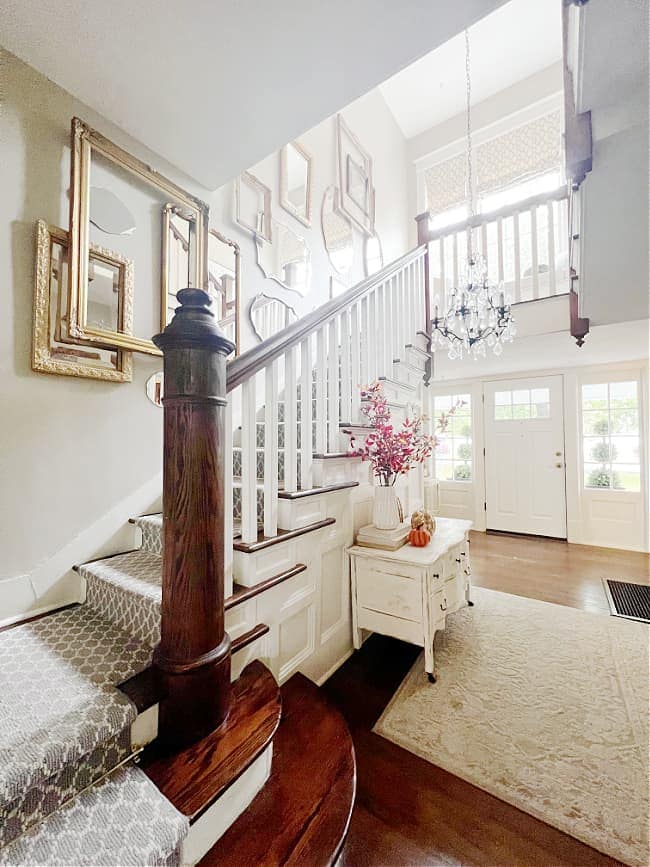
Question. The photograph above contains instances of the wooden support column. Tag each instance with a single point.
(193, 657)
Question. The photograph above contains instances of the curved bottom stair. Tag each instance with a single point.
(302, 814)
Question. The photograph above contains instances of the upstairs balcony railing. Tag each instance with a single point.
(525, 245)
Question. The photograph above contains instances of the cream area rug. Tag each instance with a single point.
(545, 707)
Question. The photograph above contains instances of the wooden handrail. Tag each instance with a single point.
(259, 357)
(427, 235)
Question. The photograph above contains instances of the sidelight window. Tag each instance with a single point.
(454, 457)
(610, 436)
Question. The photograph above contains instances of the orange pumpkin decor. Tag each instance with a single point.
(419, 538)
(422, 528)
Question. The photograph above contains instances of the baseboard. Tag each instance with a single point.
(330, 671)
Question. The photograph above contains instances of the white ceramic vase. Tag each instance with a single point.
(387, 509)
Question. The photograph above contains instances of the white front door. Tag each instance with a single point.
(524, 456)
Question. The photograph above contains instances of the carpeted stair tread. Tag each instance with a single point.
(151, 527)
(59, 708)
(126, 589)
(122, 820)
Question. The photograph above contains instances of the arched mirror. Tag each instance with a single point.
(269, 315)
(373, 255)
(337, 233)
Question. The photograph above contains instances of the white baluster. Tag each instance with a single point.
(371, 339)
(271, 449)
(366, 336)
(534, 257)
(321, 392)
(500, 248)
(356, 342)
(248, 463)
(333, 385)
(346, 396)
(380, 329)
(552, 287)
(306, 444)
(400, 319)
(290, 422)
(227, 505)
(517, 295)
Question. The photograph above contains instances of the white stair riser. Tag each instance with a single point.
(406, 373)
(294, 514)
(415, 358)
(396, 393)
(332, 471)
(214, 823)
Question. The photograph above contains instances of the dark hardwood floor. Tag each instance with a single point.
(409, 812)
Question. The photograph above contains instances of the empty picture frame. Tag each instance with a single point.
(52, 351)
(253, 206)
(98, 162)
(295, 181)
(355, 178)
(224, 284)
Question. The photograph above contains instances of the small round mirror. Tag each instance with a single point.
(154, 388)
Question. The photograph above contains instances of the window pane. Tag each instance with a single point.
(442, 403)
(540, 395)
(625, 421)
(521, 396)
(627, 477)
(521, 411)
(541, 410)
(502, 413)
(595, 422)
(444, 470)
(594, 396)
(463, 451)
(502, 398)
(445, 448)
(597, 476)
(463, 472)
(625, 450)
(622, 394)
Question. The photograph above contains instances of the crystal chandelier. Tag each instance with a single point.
(478, 315)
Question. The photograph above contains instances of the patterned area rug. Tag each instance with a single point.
(545, 707)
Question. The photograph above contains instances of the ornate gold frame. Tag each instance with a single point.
(284, 181)
(85, 140)
(42, 357)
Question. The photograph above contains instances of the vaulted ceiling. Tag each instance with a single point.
(213, 86)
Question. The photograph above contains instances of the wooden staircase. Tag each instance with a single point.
(201, 733)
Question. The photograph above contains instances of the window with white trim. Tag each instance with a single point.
(610, 436)
(454, 456)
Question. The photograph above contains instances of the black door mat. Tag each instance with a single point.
(628, 600)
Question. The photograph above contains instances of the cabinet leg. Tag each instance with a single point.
(432, 677)
(470, 603)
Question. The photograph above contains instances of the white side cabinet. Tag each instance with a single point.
(408, 593)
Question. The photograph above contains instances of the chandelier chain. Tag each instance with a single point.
(470, 159)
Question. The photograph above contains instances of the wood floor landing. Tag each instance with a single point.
(407, 811)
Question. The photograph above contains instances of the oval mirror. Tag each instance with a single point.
(154, 388)
(109, 213)
(373, 255)
(337, 233)
(269, 315)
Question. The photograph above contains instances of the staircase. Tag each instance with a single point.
(96, 766)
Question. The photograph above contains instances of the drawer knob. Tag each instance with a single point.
(458, 559)
(443, 605)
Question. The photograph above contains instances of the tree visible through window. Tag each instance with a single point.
(610, 430)
(453, 457)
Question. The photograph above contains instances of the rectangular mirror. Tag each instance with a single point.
(253, 206)
(179, 252)
(295, 182)
(224, 284)
(52, 350)
(355, 178)
(116, 196)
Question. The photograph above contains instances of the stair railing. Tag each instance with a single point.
(525, 246)
(318, 364)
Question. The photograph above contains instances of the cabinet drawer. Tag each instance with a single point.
(444, 600)
(450, 563)
(389, 593)
(406, 630)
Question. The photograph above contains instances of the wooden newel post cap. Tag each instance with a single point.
(194, 325)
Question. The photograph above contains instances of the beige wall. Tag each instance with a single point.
(78, 457)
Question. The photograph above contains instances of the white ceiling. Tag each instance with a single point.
(214, 86)
(513, 42)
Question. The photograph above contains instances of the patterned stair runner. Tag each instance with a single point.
(62, 722)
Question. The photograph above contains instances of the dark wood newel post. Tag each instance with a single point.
(193, 657)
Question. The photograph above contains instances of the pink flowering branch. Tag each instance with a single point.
(394, 452)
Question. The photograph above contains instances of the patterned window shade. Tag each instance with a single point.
(521, 153)
(444, 184)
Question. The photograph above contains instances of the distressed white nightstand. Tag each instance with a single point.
(408, 593)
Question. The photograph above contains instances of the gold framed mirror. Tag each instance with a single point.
(98, 162)
(52, 350)
(253, 206)
(355, 178)
(295, 181)
(224, 284)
